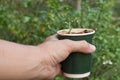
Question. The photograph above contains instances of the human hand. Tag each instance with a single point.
(24, 62)
(55, 51)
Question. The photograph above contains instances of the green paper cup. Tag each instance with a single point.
(78, 64)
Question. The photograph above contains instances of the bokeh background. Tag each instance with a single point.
(31, 21)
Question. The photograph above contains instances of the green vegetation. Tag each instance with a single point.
(31, 21)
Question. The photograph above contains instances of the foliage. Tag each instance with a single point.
(31, 21)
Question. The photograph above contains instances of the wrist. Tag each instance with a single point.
(38, 66)
(34, 62)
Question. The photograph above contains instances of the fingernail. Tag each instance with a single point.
(92, 47)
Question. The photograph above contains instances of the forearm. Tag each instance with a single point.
(17, 61)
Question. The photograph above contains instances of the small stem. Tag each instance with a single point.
(70, 28)
(78, 22)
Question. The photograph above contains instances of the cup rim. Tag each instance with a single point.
(75, 29)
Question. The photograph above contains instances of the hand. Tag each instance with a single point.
(23, 62)
(54, 51)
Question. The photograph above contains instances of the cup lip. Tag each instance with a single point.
(93, 31)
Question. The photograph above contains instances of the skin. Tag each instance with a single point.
(26, 62)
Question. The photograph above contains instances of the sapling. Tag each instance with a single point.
(70, 28)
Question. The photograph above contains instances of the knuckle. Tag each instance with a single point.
(85, 44)
(66, 42)
(84, 41)
(68, 45)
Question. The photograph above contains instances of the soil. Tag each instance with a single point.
(78, 32)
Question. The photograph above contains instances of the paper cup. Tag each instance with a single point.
(78, 64)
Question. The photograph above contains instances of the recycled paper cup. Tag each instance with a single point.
(78, 64)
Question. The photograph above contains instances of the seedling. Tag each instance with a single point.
(70, 28)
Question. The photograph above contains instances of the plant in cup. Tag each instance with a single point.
(78, 64)
(69, 26)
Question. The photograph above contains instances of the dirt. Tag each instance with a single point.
(78, 32)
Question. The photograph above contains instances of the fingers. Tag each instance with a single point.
(75, 46)
(79, 46)
(55, 70)
(59, 50)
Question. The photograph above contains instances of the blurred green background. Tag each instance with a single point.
(31, 21)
